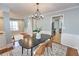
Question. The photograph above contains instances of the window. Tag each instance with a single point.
(14, 26)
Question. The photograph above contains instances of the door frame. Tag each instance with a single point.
(62, 20)
(62, 27)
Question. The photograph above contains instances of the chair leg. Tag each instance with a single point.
(31, 51)
(47, 51)
(27, 51)
(22, 50)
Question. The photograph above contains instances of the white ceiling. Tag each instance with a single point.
(23, 9)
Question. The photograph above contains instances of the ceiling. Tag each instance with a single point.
(24, 9)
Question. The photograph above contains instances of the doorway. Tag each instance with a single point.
(57, 28)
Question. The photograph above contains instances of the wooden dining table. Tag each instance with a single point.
(70, 51)
(35, 42)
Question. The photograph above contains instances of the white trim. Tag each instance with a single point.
(67, 9)
(57, 15)
(70, 40)
(61, 10)
(62, 19)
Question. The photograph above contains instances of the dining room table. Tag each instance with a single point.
(34, 42)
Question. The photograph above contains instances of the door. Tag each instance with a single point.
(57, 28)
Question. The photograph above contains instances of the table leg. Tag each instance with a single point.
(27, 51)
(22, 50)
(31, 51)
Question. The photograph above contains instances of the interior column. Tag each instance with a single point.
(6, 19)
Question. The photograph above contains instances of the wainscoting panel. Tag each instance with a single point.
(70, 40)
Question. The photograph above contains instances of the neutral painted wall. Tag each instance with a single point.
(70, 35)
(28, 25)
(16, 16)
(1, 25)
(5, 38)
(20, 25)
(4, 25)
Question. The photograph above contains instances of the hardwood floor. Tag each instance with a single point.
(40, 50)
(5, 50)
(72, 52)
(56, 39)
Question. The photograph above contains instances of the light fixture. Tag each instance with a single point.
(37, 15)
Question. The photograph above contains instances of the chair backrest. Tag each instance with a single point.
(40, 50)
(25, 35)
(26, 42)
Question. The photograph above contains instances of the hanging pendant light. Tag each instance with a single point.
(37, 15)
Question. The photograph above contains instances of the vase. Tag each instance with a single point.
(38, 36)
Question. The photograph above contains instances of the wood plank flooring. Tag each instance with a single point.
(72, 52)
(56, 39)
(5, 50)
(41, 49)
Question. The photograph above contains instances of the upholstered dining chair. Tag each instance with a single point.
(43, 48)
(40, 50)
(48, 47)
(26, 42)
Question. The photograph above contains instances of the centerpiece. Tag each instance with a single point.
(38, 34)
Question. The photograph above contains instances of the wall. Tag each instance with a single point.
(45, 24)
(1, 24)
(70, 35)
(1, 14)
(20, 20)
(3, 40)
(14, 15)
(20, 25)
(28, 25)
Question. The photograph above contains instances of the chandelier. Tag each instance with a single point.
(37, 15)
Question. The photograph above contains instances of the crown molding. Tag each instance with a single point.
(67, 9)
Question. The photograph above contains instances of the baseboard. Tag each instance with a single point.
(71, 40)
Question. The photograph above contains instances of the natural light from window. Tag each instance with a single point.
(14, 26)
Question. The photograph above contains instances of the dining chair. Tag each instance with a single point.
(26, 42)
(39, 51)
(48, 48)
